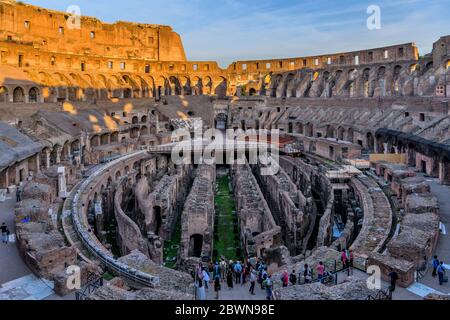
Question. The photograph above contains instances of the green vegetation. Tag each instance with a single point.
(172, 246)
(226, 239)
(111, 237)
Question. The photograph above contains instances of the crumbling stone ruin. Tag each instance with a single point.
(88, 139)
(197, 219)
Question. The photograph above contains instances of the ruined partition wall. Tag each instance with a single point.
(259, 231)
(197, 222)
(289, 207)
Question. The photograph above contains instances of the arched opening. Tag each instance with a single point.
(33, 95)
(197, 89)
(115, 137)
(370, 142)
(396, 80)
(144, 119)
(4, 97)
(221, 89)
(144, 131)
(158, 219)
(290, 127)
(252, 92)
(95, 141)
(366, 84)
(382, 80)
(196, 245)
(276, 80)
(309, 130)
(127, 93)
(208, 86)
(175, 86)
(135, 120)
(330, 132)
(104, 139)
(341, 133)
(18, 95)
(350, 134)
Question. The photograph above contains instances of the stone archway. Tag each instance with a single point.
(18, 95)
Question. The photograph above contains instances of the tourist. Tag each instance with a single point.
(216, 270)
(237, 272)
(321, 271)
(201, 290)
(4, 230)
(18, 194)
(230, 278)
(351, 258)
(268, 285)
(394, 277)
(252, 281)
(217, 286)
(285, 279)
(263, 278)
(344, 258)
(436, 264)
(293, 278)
(307, 274)
(441, 273)
(206, 278)
(223, 269)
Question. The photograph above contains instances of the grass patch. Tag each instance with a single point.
(171, 246)
(225, 244)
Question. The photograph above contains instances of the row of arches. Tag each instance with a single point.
(75, 87)
(342, 133)
(19, 94)
(364, 82)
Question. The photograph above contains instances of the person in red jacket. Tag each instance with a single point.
(285, 279)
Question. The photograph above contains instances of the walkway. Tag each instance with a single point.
(16, 280)
(238, 293)
(443, 248)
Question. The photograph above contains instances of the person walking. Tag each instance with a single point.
(4, 229)
(223, 269)
(217, 286)
(263, 278)
(436, 264)
(237, 272)
(205, 276)
(18, 195)
(201, 290)
(441, 273)
(230, 278)
(216, 270)
(269, 286)
(350, 262)
(293, 278)
(252, 282)
(344, 258)
(394, 277)
(285, 279)
(321, 271)
(307, 274)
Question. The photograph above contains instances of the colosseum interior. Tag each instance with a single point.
(90, 119)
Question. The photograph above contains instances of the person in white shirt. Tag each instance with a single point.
(205, 278)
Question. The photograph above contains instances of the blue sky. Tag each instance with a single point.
(229, 30)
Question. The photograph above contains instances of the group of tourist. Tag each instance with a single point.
(233, 273)
(5, 233)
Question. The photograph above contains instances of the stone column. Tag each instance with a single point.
(62, 186)
(47, 158)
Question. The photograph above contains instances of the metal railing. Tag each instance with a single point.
(88, 241)
(93, 283)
